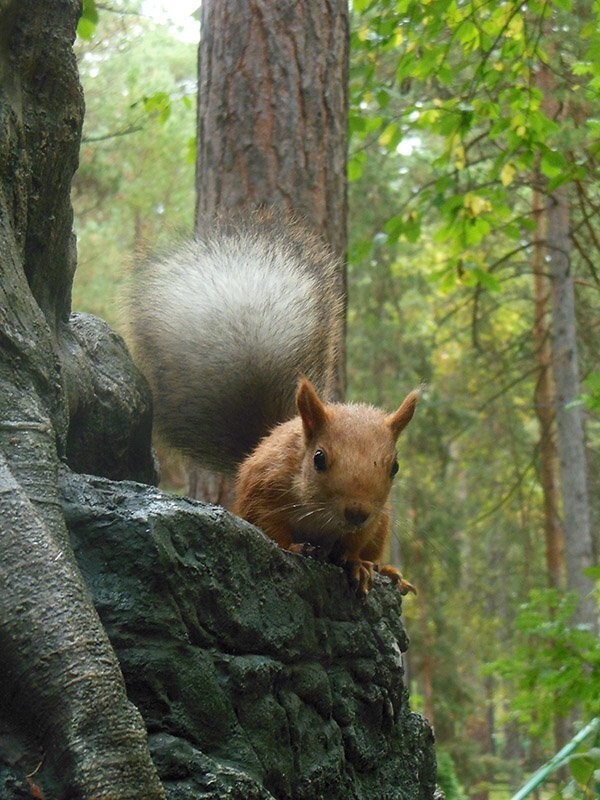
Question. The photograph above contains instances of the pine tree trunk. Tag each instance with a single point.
(272, 112)
(545, 406)
(565, 368)
(545, 409)
(569, 418)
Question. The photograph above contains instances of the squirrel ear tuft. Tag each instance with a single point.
(311, 408)
(400, 418)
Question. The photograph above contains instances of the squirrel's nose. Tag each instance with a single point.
(356, 516)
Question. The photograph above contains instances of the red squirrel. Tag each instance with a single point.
(322, 480)
(238, 333)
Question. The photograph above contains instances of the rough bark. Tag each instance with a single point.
(569, 417)
(260, 674)
(565, 368)
(61, 681)
(545, 404)
(110, 412)
(272, 112)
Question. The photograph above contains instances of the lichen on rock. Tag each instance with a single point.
(254, 666)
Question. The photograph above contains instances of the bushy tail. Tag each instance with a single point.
(223, 327)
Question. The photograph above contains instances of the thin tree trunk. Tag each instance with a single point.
(545, 401)
(425, 670)
(545, 406)
(565, 368)
(569, 418)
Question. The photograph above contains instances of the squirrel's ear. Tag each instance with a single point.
(312, 410)
(400, 418)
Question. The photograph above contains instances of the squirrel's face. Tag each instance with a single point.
(347, 471)
(348, 467)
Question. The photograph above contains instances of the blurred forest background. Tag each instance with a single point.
(475, 147)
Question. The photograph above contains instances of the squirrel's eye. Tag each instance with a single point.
(394, 468)
(320, 461)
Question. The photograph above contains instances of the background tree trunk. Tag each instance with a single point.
(272, 126)
(565, 368)
(569, 418)
(60, 678)
(272, 111)
(545, 407)
(545, 403)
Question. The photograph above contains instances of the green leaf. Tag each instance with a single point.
(592, 572)
(390, 138)
(88, 20)
(487, 280)
(476, 230)
(190, 155)
(553, 164)
(356, 165)
(158, 104)
(383, 97)
(583, 765)
(592, 383)
(357, 123)
(468, 36)
(360, 250)
(412, 228)
(361, 5)
(394, 227)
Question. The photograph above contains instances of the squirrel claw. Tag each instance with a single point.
(361, 575)
(404, 587)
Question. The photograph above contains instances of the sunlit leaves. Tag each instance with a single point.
(158, 105)
(406, 226)
(475, 204)
(462, 76)
(585, 769)
(356, 165)
(554, 665)
(88, 20)
(507, 174)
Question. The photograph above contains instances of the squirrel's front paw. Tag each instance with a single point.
(404, 587)
(360, 574)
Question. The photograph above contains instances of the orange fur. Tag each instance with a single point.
(335, 502)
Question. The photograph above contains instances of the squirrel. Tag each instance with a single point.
(237, 333)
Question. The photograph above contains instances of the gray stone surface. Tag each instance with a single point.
(110, 408)
(259, 673)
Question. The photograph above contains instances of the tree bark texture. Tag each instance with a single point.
(569, 418)
(272, 129)
(272, 111)
(545, 407)
(565, 368)
(545, 404)
(60, 678)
